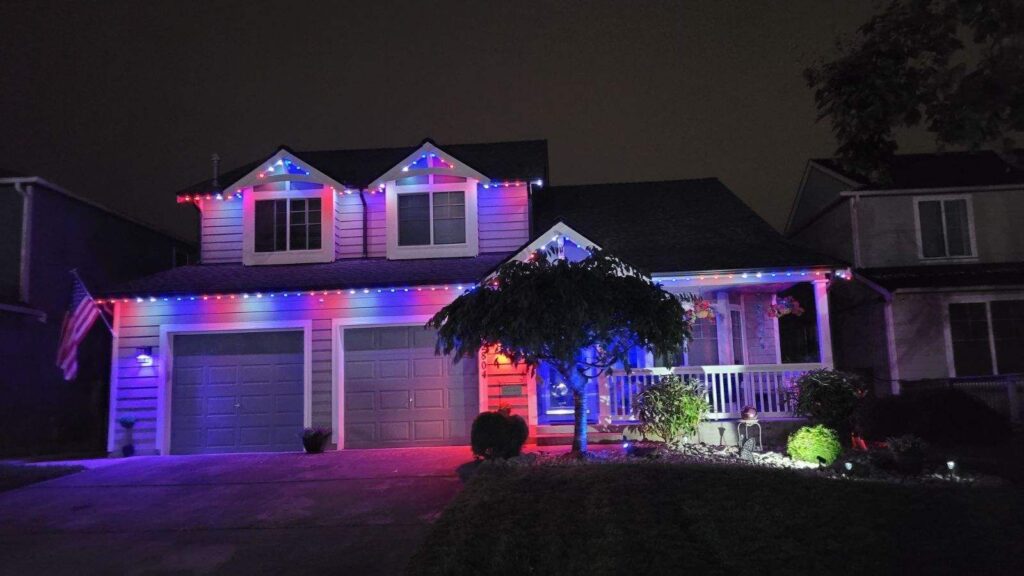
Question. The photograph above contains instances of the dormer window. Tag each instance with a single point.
(431, 205)
(288, 224)
(426, 218)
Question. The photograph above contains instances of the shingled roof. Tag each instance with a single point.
(521, 160)
(672, 226)
(940, 170)
(337, 275)
(947, 275)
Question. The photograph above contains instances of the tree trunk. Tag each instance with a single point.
(579, 432)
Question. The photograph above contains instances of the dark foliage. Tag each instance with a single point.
(314, 439)
(554, 310)
(498, 435)
(829, 397)
(955, 67)
(939, 416)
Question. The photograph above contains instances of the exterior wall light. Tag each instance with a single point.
(144, 355)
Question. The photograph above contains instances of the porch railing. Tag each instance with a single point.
(729, 388)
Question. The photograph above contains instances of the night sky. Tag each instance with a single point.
(124, 102)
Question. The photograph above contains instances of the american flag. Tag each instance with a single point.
(77, 321)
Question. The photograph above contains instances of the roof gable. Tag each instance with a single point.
(358, 168)
(425, 160)
(282, 165)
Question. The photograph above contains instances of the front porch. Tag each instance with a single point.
(743, 352)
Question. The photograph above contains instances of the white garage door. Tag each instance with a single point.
(399, 393)
(237, 393)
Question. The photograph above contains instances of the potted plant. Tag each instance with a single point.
(314, 439)
(785, 306)
(128, 423)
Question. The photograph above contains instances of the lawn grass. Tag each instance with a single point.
(17, 475)
(652, 519)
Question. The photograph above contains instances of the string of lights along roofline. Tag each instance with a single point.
(285, 167)
(467, 286)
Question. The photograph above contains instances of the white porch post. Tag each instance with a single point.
(824, 329)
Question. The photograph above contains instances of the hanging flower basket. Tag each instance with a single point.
(697, 308)
(784, 307)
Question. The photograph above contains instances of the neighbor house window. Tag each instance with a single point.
(944, 228)
(426, 218)
(288, 224)
(987, 337)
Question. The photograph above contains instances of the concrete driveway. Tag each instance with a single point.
(350, 512)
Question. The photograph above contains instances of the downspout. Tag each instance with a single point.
(26, 240)
(366, 219)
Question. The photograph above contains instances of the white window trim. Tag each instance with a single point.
(469, 248)
(947, 329)
(942, 198)
(250, 257)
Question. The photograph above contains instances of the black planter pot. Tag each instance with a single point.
(314, 445)
(128, 450)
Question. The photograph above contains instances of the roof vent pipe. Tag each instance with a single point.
(215, 159)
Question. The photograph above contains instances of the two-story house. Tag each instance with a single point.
(320, 268)
(45, 232)
(938, 255)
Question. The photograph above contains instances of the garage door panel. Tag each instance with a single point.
(427, 367)
(428, 398)
(359, 401)
(429, 430)
(355, 371)
(227, 397)
(393, 369)
(394, 399)
(395, 431)
(386, 404)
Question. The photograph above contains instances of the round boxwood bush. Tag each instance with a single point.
(816, 444)
(829, 397)
(498, 434)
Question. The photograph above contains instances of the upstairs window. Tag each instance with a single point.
(426, 218)
(944, 228)
(288, 224)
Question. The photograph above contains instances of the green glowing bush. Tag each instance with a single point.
(816, 444)
(671, 408)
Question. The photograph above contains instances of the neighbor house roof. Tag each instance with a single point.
(338, 275)
(946, 275)
(672, 226)
(521, 160)
(939, 170)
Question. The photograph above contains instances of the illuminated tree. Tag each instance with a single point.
(582, 318)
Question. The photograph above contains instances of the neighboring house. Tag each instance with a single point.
(938, 253)
(45, 232)
(320, 268)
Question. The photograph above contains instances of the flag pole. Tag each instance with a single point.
(74, 272)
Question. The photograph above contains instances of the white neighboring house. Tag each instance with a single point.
(938, 254)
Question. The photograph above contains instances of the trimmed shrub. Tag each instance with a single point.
(498, 434)
(940, 416)
(671, 408)
(314, 439)
(829, 397)
(907, 452)
(816, 444)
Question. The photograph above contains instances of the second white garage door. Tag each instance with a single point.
(398, 393)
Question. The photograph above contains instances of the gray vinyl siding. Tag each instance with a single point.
(221, 232)
(503, 218)
(831, 233)
(918, 325)
(137, 385)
